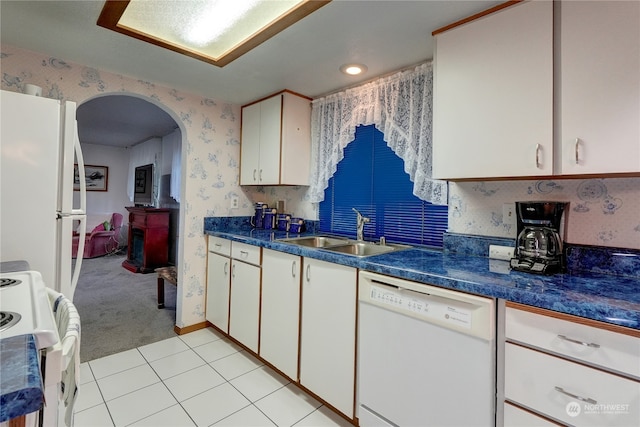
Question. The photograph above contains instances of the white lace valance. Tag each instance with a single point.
(401, 107)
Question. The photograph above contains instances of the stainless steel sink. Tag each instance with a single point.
(364, 249)
(344, 245)
(316, 241)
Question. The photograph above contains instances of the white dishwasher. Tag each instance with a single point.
(426, 355)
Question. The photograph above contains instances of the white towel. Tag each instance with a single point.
(68, 321)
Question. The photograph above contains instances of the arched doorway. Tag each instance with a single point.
(110, 128)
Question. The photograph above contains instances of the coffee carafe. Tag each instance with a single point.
(539, 243)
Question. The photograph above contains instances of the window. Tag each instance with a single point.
(371, 178)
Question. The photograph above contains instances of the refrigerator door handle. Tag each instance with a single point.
(83, 181)
(79, 257)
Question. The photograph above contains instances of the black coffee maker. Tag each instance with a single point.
(539, 243)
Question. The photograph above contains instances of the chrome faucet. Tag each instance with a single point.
(361, 220)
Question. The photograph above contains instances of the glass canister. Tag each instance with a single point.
(283, 221)
(270, 219)
(257, 220)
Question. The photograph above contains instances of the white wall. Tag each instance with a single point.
(115, 198)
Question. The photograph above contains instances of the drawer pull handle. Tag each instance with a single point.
(586, 344)
(575, 396)
(577, 152)
(244, 254)
(218, 245)
(293, 269)
(538, 155)
(226, 268)
(309, 273)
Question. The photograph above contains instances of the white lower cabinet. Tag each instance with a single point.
(568, 369)
(244, 306)
(328, 333)
(217, 309)
(244, 315)
(218, 282)
(280, 315)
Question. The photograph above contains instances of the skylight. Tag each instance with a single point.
(214, 31)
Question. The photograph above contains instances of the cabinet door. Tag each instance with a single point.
(493, 95)
(280, 312)
(217, 308)
(244, 314)
(250, 145)
(328, 333)
(296, 140)
(599, 86)
(270, 126)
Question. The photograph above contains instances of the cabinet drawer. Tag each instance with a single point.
(543, 383)
(611, 350)
(220, 246)
(517, 417)
(149, 220)
(244, 252)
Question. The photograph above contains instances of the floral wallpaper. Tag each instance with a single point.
(210, 151)
(602, 212)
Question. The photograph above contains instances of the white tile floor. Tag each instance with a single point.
(197, 379)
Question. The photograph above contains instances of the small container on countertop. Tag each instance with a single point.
(270, 219)
(297, 225)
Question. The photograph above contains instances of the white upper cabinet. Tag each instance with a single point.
(276, 141)
(599, 87)
(493, 95)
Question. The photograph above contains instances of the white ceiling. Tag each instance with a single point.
(384, 35)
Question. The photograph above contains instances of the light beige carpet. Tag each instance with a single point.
(118, 308)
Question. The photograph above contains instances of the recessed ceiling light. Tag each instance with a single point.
(353, 69)
(214, 31)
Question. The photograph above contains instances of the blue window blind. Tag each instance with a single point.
(371, 178)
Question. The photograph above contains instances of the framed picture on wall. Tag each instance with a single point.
(96, 177)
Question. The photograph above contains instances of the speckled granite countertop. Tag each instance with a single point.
(602, 297)
(20, 379)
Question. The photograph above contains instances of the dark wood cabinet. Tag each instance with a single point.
(148, 243)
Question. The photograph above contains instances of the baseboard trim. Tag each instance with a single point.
(185, 330)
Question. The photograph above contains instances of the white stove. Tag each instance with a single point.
(25, 308)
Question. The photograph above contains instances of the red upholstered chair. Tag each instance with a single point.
(99, 241)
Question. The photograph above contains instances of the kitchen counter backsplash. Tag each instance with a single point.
(244, 223)
(596, 259)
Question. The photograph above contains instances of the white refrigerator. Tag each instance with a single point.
(39, 146)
